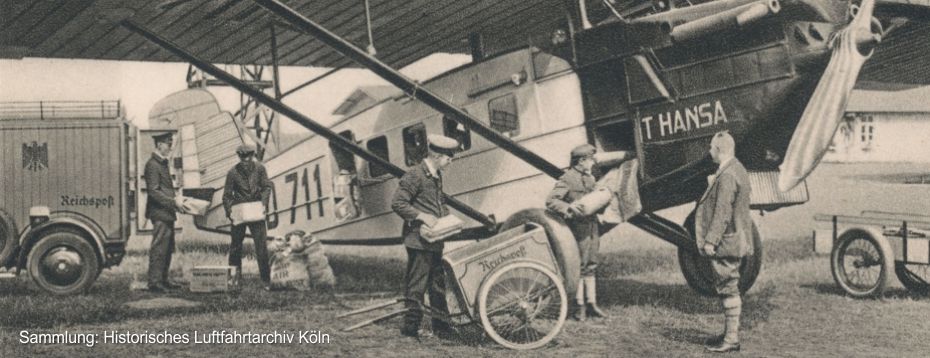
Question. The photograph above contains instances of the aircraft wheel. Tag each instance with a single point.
(561, 239)
(63, 263)
(8, 237)
(862, 263)
(914, 277)
(700, 275)
(522, 305)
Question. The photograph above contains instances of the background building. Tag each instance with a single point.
(884, 126)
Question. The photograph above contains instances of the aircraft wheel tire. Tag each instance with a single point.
(561, 239)
(699, 274)
(63, 263)
(8, 237)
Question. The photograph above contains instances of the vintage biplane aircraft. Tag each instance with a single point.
(657, 78)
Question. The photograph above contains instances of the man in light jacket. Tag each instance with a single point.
(723, 230)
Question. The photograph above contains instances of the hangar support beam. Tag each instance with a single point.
(286, 110)
(648, 222)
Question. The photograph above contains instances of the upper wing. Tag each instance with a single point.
(239, 31)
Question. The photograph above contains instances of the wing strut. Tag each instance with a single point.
(286, 110)
(407, 85)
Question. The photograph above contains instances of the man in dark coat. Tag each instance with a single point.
(574, 184)
(246, 182)
(723, 230)
(418, 200)
(160, 208)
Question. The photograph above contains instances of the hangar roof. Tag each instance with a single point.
(239, 31)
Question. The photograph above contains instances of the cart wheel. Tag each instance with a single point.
(861, 263)
(700, 275)
(914, 277)
(522, 305)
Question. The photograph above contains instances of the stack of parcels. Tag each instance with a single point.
(618, 192)
(298, 262)
(445, 227)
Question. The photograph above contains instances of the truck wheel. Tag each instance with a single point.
(862, 263)
(63, 263)
(700, 275)
(8, 237)
(561, 239)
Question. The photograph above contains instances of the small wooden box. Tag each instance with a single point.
(214, 279)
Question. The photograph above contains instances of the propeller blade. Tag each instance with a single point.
(825, 110)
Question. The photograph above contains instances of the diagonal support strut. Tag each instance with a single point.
(286, 110)
(409, 86)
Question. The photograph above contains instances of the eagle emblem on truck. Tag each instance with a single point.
(35, 156)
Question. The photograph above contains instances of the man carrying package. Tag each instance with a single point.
(419, 201)
(245, 198)
(572, 186)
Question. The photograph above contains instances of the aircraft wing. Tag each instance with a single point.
(239, 31)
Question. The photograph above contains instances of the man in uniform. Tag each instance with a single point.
(723, 230)
(575, 183)
(246, 182)
(418, 200)
(160, 208)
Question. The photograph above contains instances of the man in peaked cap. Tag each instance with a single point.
(160, 208)
(418, 200)
(248, 181)
(574, 184)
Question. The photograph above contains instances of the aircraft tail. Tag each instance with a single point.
(206, 143)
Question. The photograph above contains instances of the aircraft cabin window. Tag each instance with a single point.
(457, 131)
(378, 146)
(504, 116)
(414, 144)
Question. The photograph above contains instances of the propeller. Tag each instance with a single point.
(852, 46)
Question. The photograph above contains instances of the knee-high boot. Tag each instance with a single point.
(732, 307)
(729, 342)
(590, 287)
(579, 313)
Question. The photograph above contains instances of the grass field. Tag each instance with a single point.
(794, 310)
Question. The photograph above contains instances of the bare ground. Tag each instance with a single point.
(794, 310)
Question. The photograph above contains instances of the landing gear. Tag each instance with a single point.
(699, 274)
(561, 239)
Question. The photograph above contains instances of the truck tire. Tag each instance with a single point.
(561, 239)
(8, 237)
(699, 274)
(62, 262)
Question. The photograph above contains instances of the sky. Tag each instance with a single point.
(139, 85)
